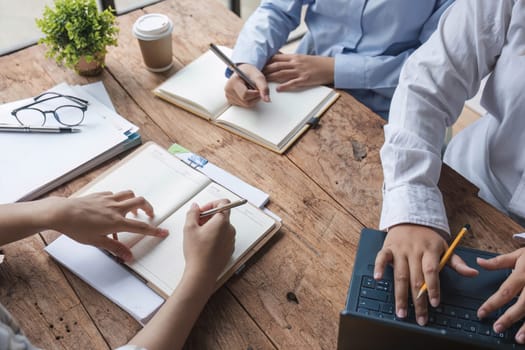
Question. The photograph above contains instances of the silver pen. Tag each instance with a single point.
(223, 208)
(38, 129)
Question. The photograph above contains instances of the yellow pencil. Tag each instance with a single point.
(446, 256)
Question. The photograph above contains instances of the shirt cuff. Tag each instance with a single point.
(349, 71)
(257, 60)
(414, 205)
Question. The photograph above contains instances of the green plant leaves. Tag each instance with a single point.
(75, 28)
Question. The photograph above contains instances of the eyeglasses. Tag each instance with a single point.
(67, 114)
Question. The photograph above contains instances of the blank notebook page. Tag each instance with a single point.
(201, 82)
(276, 120)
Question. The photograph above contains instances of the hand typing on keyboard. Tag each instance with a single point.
(415, 252)
(513, 286)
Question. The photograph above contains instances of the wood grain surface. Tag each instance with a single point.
(326, 188)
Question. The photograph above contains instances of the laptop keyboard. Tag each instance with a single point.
(376, 298)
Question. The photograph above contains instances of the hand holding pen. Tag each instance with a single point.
(222, 208)
(446, 257)
(247, 86)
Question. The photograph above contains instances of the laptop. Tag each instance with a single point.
(369, 322)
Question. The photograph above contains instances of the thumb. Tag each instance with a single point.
(116, 248)
(192, 216)
(262, 86)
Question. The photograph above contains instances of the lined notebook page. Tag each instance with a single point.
(162, 179)
(161, 261)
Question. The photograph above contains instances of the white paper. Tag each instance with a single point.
(107, 276)
(31, 161)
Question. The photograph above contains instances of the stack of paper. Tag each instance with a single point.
(35, 163)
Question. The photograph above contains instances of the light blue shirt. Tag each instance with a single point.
(475, 39)
(369, 39)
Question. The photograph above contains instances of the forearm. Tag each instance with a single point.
(20, 220)
(170, 327)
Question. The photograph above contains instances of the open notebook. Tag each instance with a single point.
(199, 88)
(171, 186)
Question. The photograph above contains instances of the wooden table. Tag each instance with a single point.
(326, 189)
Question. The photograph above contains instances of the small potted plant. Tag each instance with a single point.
(78, 35)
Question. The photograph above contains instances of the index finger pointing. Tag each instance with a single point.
(137, 226)
(135, 203)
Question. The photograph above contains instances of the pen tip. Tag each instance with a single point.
(419, 294)
(467, 226)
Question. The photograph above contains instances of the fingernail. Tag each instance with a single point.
(482, 313)
(434, 302)
(163, 232)
(498, 328)
(402, 313)
(421, 320)
(520, 338)
(126, 256)
(377, 275)
(194, 206)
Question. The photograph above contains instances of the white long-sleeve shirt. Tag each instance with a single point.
(474, 38)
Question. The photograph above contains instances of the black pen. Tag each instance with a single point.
(233, 66)
(38, 129)
(223, 208)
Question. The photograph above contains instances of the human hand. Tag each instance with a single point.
(514, 285)
(208, 242)
(237, 93)
(415, 253)
(91, 218)
(294, 71)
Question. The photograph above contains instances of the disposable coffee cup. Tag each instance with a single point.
(153, 32)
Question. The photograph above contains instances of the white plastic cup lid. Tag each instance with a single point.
(152, 26)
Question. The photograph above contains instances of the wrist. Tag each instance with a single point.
(49, 212)
(328, 70)
(199, 276)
